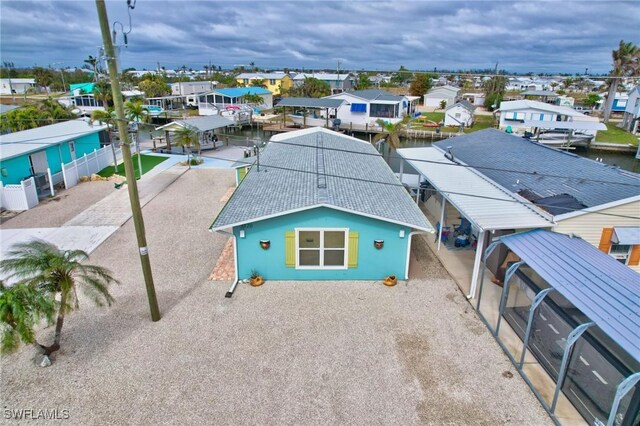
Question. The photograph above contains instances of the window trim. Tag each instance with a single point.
(620, 256)
(322, 249)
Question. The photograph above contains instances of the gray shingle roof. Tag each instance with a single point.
(491, 150)
(311, 102)
(602, 288)
(463, 102)
(287, 181)
(376, 95)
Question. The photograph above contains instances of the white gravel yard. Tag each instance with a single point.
(55, 211)
(283, 353)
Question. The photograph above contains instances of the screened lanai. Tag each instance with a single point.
(568, 317)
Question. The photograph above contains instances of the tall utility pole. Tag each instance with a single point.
(128, 163)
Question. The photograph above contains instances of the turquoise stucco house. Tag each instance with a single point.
(319, 205)
(33, 151)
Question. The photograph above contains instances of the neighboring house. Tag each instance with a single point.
(20, 86)
(276, 82)
(141, 73)
(364, 107)
(542, 95)
(515, 114)
(475, 99)
(566, 101)
(184, 88)
(231, 98)
(337, 82)
(619, 102)
(436, 95)
(459, 114)
(593, 202)
(31, 152)
(631, 118)
(83, 98)
(292, 218)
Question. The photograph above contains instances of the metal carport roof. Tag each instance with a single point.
(575, 125)
(310, 102)
(483, 202)
(201, 124)
(605, 290)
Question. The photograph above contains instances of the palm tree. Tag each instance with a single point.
(93, 62)
(107, 117)
(102, 92)
(187, 137)
(391, 133)
(22, 307)
(43, 266)
(626, 63)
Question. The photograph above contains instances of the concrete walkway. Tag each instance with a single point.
(115, 209)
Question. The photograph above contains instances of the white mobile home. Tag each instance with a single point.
(20, 86)
(459, 114)
(365, 107)
(435, 96)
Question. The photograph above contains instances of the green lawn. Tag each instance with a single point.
(480, 122)
(148, 163)
(614, 134)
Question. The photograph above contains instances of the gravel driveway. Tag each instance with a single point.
(283, 353)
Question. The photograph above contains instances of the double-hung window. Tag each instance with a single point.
(321, 248)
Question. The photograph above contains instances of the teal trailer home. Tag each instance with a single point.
(31, 152)
(319, 205)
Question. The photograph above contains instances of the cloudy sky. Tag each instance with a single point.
(531, 35)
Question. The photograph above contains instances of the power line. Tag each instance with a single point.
(463, 165)
(528, 204)
(31, 142)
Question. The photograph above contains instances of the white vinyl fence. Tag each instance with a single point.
(19, 197)
(25, 195)
(89, 164)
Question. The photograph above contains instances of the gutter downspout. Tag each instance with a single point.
(235, 263)
(411, 234)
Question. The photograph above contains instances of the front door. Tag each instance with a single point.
(72, 150)
(38, 162)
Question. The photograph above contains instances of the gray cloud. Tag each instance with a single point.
(544, 36)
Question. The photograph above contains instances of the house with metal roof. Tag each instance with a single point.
(488, 183)
(320, 205)
(276, 82)
(436, 95)
(233, 98)
(459, 114)
(337, 82)
(31, 152)
(582, 196)
(204, 127)
(310, 111)
(10, 86)
(364, 107)
(570, 311)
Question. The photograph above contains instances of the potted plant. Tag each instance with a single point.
(256, 279)
(390, 281)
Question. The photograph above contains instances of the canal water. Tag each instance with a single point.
(626, 161)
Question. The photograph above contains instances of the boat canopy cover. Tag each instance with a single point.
(310, 102)
(574, 125)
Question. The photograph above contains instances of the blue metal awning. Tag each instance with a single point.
(358, 107)
(626, 235)
(602, 288)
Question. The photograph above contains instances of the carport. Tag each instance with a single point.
(572, 313)
(491, 210)
(313, 103)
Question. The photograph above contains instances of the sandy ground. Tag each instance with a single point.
(66, 204)
(283, 353)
